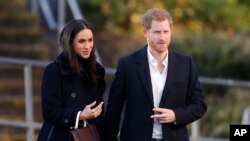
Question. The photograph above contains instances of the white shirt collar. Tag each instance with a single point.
(153, 61)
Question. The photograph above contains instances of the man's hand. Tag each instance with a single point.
(164, 115)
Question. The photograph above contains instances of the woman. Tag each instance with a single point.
(73, 82)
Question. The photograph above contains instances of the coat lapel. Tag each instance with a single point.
(170, 76)
(143, 71)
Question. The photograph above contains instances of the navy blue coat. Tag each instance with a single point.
(63, 94)
(132, 87)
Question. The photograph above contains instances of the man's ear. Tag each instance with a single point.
(145, 32)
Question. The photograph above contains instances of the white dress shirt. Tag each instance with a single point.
(158, 80)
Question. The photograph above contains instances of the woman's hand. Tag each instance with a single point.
(90, 112)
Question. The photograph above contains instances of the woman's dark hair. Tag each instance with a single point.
(70, 30)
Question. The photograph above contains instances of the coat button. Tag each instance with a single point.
(66, 120)
(73, 95)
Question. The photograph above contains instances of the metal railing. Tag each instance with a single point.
(27, 64)
(30, 124)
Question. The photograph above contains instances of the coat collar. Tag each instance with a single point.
(65, 68)
(144, 73)
(64, 65)
(170, 76)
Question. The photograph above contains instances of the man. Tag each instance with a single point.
(159, 88)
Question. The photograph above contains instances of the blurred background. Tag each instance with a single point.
(215, 33)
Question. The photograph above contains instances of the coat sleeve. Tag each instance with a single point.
(195, 102)
(52, 100)
(115, 104)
